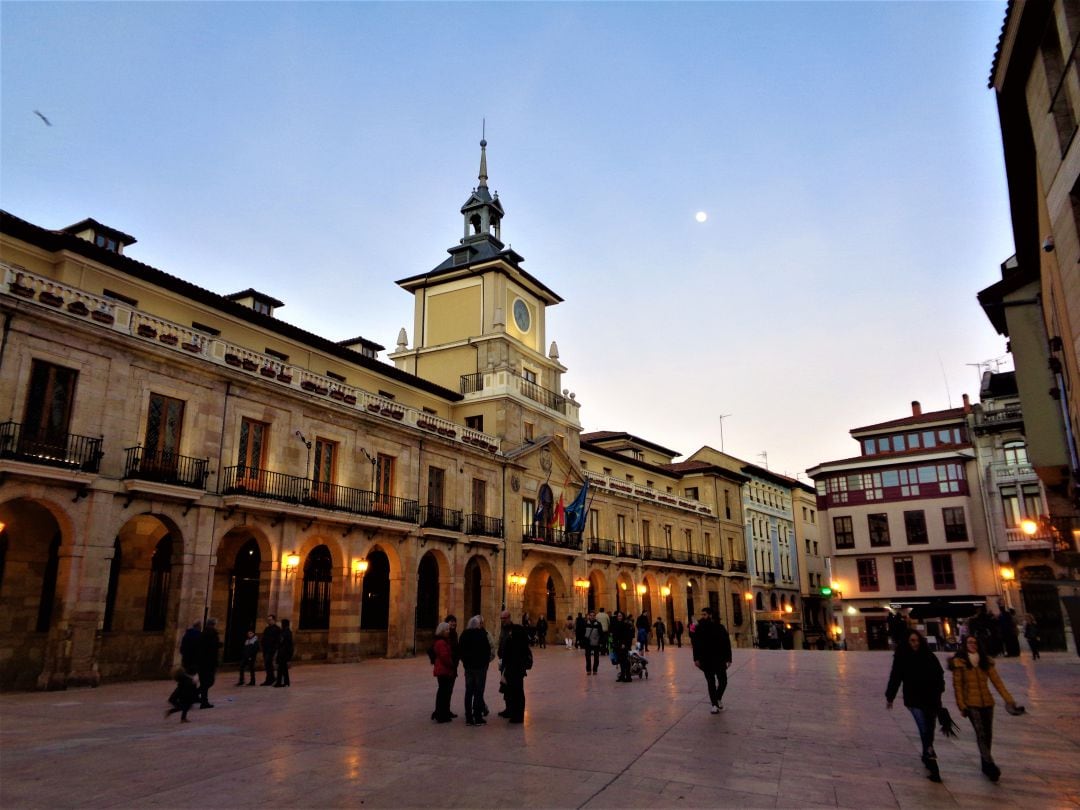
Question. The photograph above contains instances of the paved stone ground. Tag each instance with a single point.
(800, 729)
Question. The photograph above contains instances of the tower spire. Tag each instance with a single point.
(483, 156)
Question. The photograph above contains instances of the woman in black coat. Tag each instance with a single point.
(918, 669)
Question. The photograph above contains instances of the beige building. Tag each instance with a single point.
(1036, 304)
(905, 527)
(168, 454)
(813, 564)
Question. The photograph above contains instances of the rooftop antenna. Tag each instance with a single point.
(723, 416)
(765, 455)
(996, 363)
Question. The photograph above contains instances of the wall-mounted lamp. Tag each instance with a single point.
(749, 596)
(1007, 573)
(359, 568)
(788, 609)
(292, 562)
(1029, 527)
(641, 590)
(582, 585)
(665, 591)
(516, 582)
(852, 611)
(622, 586)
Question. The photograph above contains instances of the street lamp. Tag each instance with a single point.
(292, 562)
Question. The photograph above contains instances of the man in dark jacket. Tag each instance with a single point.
(189, 649)
(209, 644)
(284, 654)
(475, 650)
(271, 638)
(516, 659)
(712, 655)
(622, 638)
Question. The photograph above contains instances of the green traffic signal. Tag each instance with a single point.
(826, 591)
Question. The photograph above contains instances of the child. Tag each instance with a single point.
(183, 696)
(247, 658)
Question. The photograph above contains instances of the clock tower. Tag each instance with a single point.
(479, 328)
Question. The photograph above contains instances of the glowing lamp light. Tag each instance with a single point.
(292, 562)
(641, 590)
(835, 585)
(1029, 527)
(788, 609)
(622, 586)
(748, 596)
(359, 568)
(582, 584)
(665, 591)
(836, 629)
(1007, 573)
(852, 611)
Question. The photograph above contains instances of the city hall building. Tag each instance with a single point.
(168, 454)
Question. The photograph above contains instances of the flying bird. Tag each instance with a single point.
(39, 114)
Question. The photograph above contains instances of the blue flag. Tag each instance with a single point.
(576, 512)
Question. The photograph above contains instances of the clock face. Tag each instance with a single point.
(521, 315)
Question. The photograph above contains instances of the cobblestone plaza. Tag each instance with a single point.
(800, 729)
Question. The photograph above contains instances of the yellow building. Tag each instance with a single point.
(168, 454)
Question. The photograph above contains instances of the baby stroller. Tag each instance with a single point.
(639, 664)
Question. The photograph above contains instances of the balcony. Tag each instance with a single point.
(292, 489)
(737, 566)
(628, 550)
(769, 577)
(165, 468)
(648, 494)
(504, 382)
(1005, 472)
(483, 526)
(993, 421)
(556, 538)
(65, 450)
(598, 546)
(436, 517)
(1019, 540)
(117, 317)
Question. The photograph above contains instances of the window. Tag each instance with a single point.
(436, 477)
(667, 537)
(528, 429)
(594, 524)
(843, 532)
(384, 478)
(479, 496)
(1032, 500)
(48, 404)
(261, 307)
(707, 543)
(915, 527)
(689, 537)
(941, 565)
(1010, 505)
(879, 529)
(250, 453)
(727, 505)
(475, 422)
(736, 609)
(646, 532)
(284, 358)
(629, 478)
(904, 571)
(164, 421)
(620, 526)
(868, 580)
(333, 375)
(323, 475)
(528, 513)
(202, 327)
(1015, 453)
(955, 524)
(691, 493)
(815, 548)
(387, 395)
(529, 375)
(813, 516)
(126, 299)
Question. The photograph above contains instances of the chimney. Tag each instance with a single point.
(967, 404)
(916, 408)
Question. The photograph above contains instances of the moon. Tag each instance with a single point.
(701, 216)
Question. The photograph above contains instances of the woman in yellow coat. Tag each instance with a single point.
(973, 671)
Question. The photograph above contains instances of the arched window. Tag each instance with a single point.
(772, 600)
(760, 601)
(550, 600)
(315, 596)
(427, 593)
(1015, 453)
(375, 601)
(114, 584)
(157, 591)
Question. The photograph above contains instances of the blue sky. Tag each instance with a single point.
(847, 154)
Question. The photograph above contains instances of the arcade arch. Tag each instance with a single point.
(242, 584)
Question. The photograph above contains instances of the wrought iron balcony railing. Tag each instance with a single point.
(438, 517)
(255, 483)
(165, 468)
(737, 566)
(68, 450)
(598, 546)
(628, 550)
(483, 526)
(553, 537)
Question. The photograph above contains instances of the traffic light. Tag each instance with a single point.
(826, 591)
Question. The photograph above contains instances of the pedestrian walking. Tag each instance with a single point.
(183, 696)
(622, 638)
(973, 671)
(516, 658)
(1031, 633)
(579, 628)
(678, 633)
(248, 656)
(661, 631)
(209, 644)
(642, 626)
(916, 667)
(284, 654)
(475, 649)
(541, 632)
(569, 633)
(271, 638)
(189, 648)
(592, 639)
(445, 672)
(712, 655)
